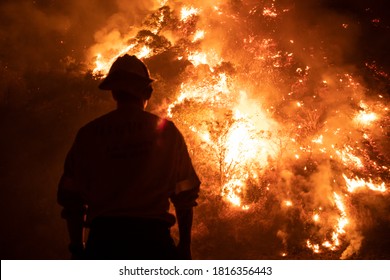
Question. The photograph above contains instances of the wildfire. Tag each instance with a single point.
(144, 52)
(245, 130)
(348, 158)
(102, 65)
(188, 12)
(365, 117)
(314, 247)
(215, 91)
(338, 230)
(357, 183)
(318, 140)
(342, 221)
(199, 35)
(197, 58)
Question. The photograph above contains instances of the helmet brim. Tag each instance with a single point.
(122, 80)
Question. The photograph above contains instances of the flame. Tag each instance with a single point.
(144, 52)
(241, 145)
(365, 117)
(338, 230)
(198, 58)
(215, 91)
(341, 223)
(199, 35)
(318, 140)
(314, 247)
(188, 12)
(357, 183)
(348, 158)
(209, 58)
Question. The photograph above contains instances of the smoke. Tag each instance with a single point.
(25, 30)
(353, 247)
(321, 182)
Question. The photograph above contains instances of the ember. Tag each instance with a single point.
(264, 128)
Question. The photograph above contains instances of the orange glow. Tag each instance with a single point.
(162, 2)
(288, 203)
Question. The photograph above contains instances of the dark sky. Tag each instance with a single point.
(46, 95)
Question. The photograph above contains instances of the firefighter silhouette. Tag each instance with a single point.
(124, 169)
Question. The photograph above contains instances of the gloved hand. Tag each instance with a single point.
(184, 251)
(77, 251)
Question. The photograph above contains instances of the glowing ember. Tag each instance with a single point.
(288, 203)
(270, 11)
(314, 247)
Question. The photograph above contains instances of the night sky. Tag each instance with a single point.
(47, 94)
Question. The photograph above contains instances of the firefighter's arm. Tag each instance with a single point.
(74, 215)
(184, 199)
(69, 196)
(184, 219)
(184, 203)
(75, 229)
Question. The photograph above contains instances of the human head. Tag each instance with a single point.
(128, 79)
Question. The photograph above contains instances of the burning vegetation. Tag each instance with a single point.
(291, 147)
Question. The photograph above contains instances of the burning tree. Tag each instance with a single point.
(286, 150)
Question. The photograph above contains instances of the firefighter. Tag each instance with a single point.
(125, 169)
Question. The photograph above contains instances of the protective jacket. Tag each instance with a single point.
(128, 163)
